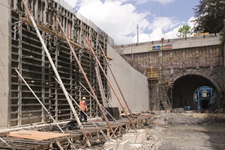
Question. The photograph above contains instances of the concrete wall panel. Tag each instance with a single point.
(133, 84)
(4, 63)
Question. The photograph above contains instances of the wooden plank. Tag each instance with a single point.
(4, 133)
(36, 135)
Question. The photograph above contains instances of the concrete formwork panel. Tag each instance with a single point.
(21, 49)
(4, 62)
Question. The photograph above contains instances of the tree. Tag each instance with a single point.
(184, 31)
(222, 38)
(209, 16)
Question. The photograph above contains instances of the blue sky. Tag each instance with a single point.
(119, 18)
(180, 9)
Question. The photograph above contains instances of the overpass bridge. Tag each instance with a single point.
(177, 67)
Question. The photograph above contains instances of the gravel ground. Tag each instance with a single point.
(185, 131)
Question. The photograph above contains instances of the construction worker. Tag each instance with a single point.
(83, 109)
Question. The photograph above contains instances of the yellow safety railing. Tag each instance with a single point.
(153, 73)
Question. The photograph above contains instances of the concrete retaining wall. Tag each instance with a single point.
(133, 84)
(4, 63)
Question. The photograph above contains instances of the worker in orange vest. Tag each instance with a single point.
(83, 109)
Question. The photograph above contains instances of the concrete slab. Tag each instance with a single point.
(114, 145)
(139, 131)
(134, 138)
(135, 146)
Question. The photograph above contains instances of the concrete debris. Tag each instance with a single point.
(135, 146)
(159, 122)
(168, 131)
(117, 145)
(130, 140)
(219, 110)
(134, 137)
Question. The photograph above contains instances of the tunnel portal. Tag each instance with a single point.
(184, 89)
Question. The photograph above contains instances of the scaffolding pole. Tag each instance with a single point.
(1, 139)
(101, 105)
(43, 105)
(85, 76)
(98, 76)
(96, 59)
(103, 53)
(56, 72)
(107, 138)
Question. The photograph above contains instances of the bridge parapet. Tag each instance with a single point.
(168, 44)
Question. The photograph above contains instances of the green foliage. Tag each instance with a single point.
(209, 16)
(222, 39)
(184, 31)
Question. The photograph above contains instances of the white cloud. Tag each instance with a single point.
(165, 1)
(164, 23)
(160, 1)
(191, 23)
(72, 3)
(119, 20)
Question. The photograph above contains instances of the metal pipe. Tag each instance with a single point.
(43, 106)
(116, 82)
(30, 127)
(100, 83)
(96, 59)
(101, 105)
(107, 138)
(85, 113)
(56, 72)
(85, 76)
(5, 142)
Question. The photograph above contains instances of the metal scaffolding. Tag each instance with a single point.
(29, 58)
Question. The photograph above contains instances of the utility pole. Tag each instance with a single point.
(137, 33)
(223, 36)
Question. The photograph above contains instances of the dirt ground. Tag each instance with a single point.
(185, 131)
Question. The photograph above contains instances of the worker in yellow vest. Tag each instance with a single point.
(83, 109)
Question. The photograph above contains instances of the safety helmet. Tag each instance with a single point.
(83, 98)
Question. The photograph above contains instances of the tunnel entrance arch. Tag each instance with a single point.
(184, 88)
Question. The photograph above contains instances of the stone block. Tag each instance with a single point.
(139, 131)
(114, 145)
(135, 146)
(134, 138)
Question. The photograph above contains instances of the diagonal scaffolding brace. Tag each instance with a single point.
(102, 106)
(43, 106)
(85, 76)
(56, 72)
(103, 53)
(107, 138)
(96, 59)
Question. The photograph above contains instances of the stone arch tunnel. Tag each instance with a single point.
(184, 88)
(187, 65)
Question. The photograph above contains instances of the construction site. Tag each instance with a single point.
(152, 95)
